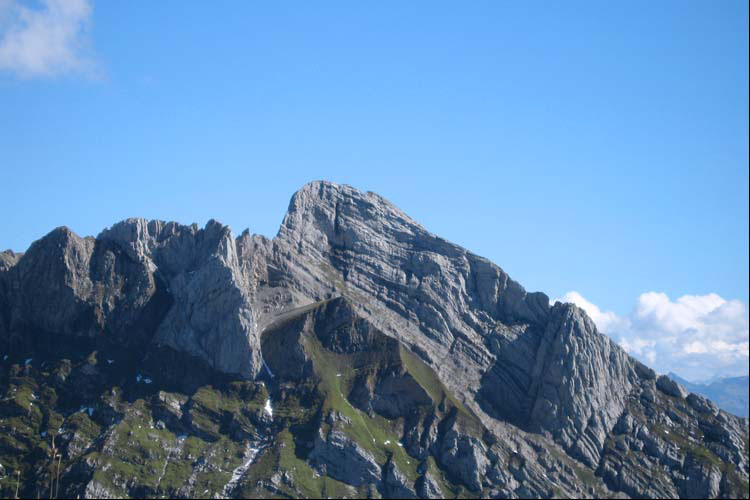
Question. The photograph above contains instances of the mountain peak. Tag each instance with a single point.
(384, 317)
(321, 203)
(8, 259)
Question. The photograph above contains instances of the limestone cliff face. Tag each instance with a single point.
(581, 380)
(440, 299)
(211, 314)
(464, 315)
(379, 250)
(512, 361)
(71, 286)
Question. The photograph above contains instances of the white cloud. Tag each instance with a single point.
(604, 320)
(696, 336)
(47, 39)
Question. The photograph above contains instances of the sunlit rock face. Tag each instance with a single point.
(387, 361)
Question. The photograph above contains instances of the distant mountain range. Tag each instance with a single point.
(730, 393)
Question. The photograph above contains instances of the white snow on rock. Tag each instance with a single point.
(250, 455)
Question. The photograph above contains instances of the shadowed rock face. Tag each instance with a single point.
(81, 287)
(212, 312)
(508, 359)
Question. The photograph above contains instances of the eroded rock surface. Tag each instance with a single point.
(353, 354)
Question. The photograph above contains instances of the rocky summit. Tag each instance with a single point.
(353, 355)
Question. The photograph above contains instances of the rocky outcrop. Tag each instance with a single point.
(702, 405)
(50, 286)
(581, 381)
(430, 294)
(396, 484)
(212, 313)
(8, 259)
(79, 287)
(141, 282)
(465, 457)
(670, 387)
(728, 393)
(427, 487)
(355, 304)
(344, 459)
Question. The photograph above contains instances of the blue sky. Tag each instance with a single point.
(592, 147)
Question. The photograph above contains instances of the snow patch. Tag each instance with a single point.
(268, 408)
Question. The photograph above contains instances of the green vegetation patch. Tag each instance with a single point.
(375, 434)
